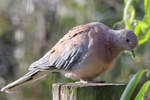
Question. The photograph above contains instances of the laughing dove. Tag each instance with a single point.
(84, 53)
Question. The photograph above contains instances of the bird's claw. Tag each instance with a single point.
(82, 81)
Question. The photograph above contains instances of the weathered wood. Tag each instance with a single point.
(88, 91)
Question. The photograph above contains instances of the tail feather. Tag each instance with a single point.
(31, 76)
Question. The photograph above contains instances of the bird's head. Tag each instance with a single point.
(126, 40)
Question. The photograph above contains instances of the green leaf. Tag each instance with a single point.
(132, 15)
(147, 11)
(143, 90)
(132, 85)
(146, 37)
(117, 24)
(128, 13)
(137, 29)
(143, 26)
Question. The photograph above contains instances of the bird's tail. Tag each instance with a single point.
(31, 76)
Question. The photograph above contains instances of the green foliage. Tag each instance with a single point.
(129, 14)
(131, 86)
(142, 30)
(141, 27)
(143, 90)
(134, 83)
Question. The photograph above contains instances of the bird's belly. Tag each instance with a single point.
(92, 65)
(89, 69)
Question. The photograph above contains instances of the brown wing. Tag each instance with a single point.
(67, 52)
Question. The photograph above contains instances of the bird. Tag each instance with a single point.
(84, 53)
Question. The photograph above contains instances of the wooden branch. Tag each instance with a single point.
(88, 91)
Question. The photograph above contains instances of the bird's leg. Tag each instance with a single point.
(90, 81)
(83, 81)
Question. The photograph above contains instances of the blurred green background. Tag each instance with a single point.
(29, 28)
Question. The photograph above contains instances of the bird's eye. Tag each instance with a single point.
(127, 40)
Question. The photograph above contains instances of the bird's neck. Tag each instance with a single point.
(112, 50)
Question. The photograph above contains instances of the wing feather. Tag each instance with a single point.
(67, 52)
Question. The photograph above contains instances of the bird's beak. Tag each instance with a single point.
(132, 51)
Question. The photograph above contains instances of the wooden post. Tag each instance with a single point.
(88, 91)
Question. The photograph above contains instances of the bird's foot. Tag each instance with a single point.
(82, 81)
(91, 81)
